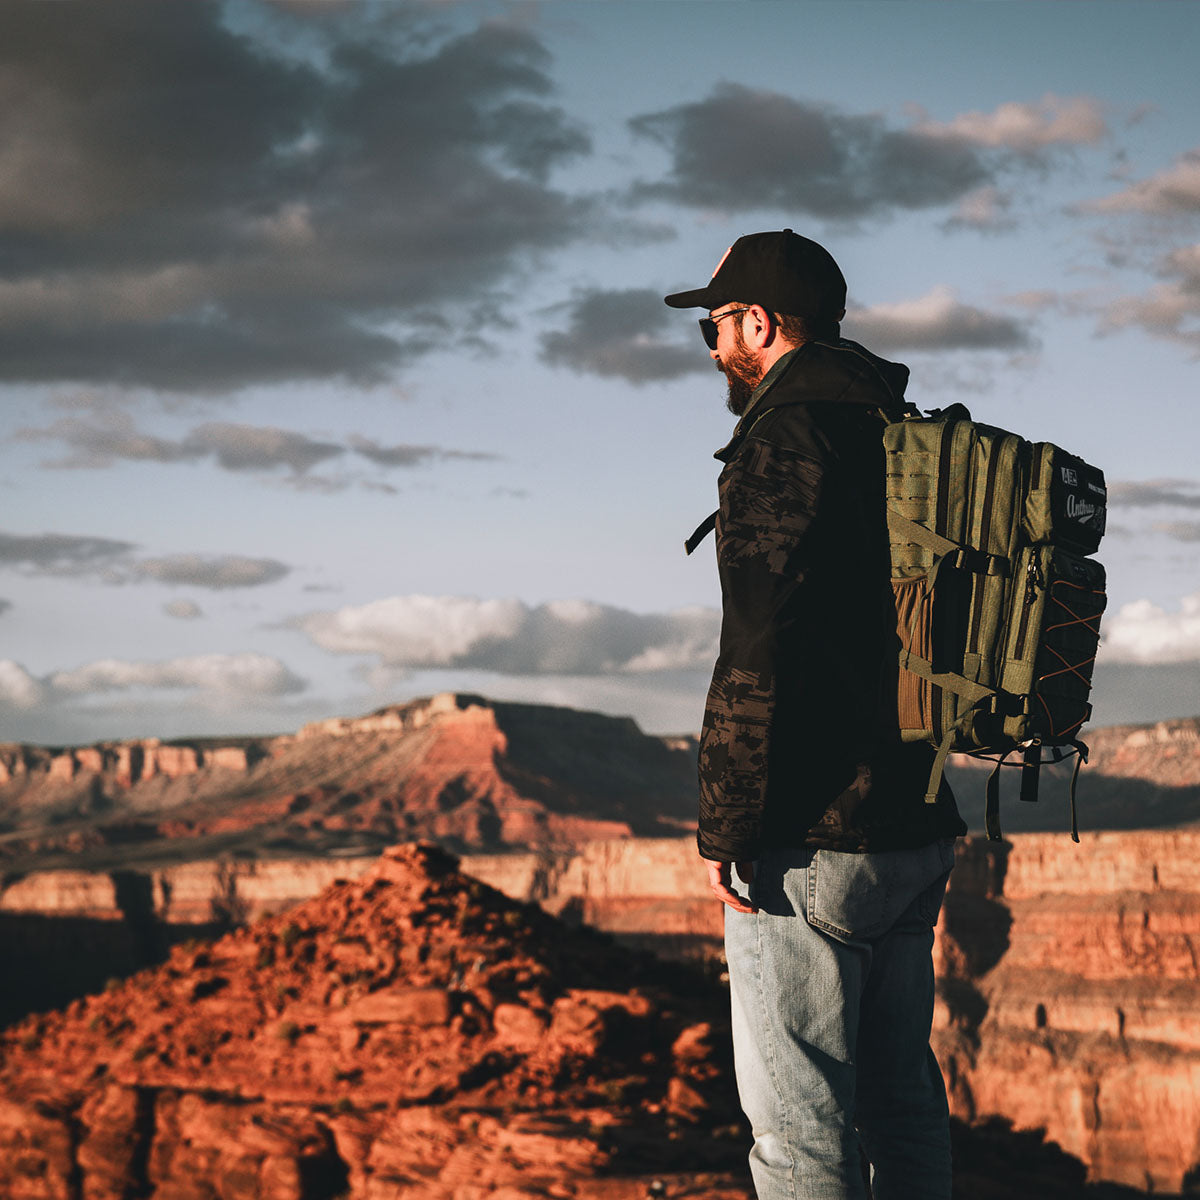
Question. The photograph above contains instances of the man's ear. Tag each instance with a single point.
(758, 327)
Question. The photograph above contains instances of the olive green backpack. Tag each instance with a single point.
(998, 606)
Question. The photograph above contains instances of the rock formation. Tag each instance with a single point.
(467, 772)
(411, 1033)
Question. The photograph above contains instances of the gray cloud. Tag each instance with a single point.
(109, 434)
(60, 553)
(937, 321)
(186, 208)
(405, 455)
(985, 210)
(1179, 493)
(183, 610)
(1180, 531)
(5, 605)
(623, 334)
(257, 447)
(218, 572)
(573, 637)
(1171, 309)
(803, 157)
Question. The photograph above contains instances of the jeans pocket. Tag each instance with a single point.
(861, 896)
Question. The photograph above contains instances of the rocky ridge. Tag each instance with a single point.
(410, 1033)
(469, 773)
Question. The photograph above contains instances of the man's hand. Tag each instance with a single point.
(720, 879)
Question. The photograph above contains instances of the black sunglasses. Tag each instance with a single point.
(708, 326)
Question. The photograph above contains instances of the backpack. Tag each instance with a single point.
(997, 604)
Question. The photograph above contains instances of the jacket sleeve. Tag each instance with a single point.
(769, 496)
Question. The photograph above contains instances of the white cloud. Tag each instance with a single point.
(1174, 190)
(564, 637)
(935, 321)
(1142, 632)
(236, 674)
(1027, 127)
(18, 689)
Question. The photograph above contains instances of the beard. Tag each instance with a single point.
(742, 375)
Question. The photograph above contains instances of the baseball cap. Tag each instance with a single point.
(780, 270)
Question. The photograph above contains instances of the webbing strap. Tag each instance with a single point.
(939, 768)
(991, 812)
(959, 684)
(701, 532)
(1031, 764)
(959, 556)
(1030, 768)
(1081, 754)
(921, 535)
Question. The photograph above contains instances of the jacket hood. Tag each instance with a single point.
(841, 372)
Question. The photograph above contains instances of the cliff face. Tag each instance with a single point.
(1069, 978)
(467, 772)
(410, 1033)
(1136, 777)
(1070, 982)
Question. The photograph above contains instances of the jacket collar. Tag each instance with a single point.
(837, 372)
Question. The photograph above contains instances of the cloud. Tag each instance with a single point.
(184, 206)
(802, 157)
(406, 455)
(218, 572)
(60, 553)
(18, 689)
(1180, 531)
(984, 210)
(238, 674)
(1180, 493)
(108, 434)
(506, 636)
(1170, 192)
(258, 448)
(620, 334)
(5, 605)
(1169, 310)
(183, 610)
(1142, 632)
(1026, 127)
(230, 675)
(936, 321)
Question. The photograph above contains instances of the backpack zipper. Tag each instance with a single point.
(1033, 580)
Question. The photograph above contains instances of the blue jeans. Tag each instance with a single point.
(832, 993)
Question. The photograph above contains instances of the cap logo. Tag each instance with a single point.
(721, 263)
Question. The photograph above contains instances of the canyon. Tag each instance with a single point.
(1068, 975)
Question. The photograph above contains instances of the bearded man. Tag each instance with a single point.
(806, 792)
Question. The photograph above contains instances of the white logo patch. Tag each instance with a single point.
(1069, 476)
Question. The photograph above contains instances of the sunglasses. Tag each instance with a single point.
(708, 326)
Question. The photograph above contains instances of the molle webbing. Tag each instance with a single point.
(998, 609)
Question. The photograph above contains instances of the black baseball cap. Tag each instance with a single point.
(780, 270)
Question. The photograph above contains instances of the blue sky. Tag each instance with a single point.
(334, 368)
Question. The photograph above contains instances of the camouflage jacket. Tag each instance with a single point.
(797, 748)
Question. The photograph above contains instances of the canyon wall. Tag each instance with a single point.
(1069, 976)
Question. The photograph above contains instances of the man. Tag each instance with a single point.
(806, 793)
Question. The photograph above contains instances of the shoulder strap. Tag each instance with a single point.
(701, 532)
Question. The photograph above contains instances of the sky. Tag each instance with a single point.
(334, 368)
